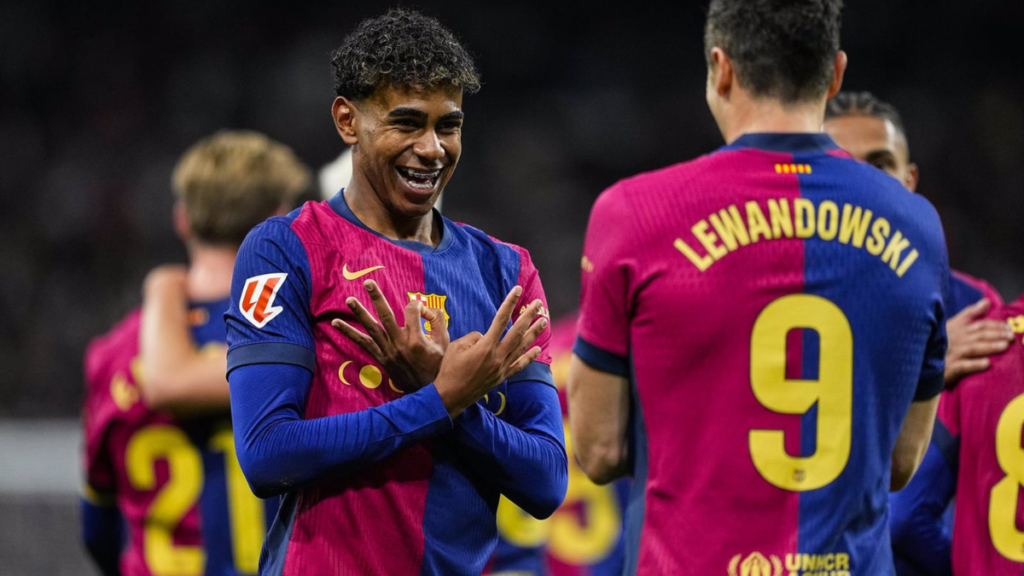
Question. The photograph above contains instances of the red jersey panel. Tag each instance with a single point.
(141, 460)
(986, 412)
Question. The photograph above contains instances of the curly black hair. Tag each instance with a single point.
(401, 48)
(782, 49)
(864, 104)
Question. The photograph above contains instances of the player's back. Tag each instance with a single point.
(986, 412)
(141, 459)
(780, 301)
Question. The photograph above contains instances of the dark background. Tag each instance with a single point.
(97, 101)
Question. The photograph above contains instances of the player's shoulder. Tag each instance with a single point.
(476, 239)
(117, 346)
(975, 284)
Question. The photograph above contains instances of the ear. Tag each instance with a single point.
(345, 119)
(723, 75)
(181, 225)
(839, 69)
(913, 177)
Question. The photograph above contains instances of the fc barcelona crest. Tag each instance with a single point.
(436, 301)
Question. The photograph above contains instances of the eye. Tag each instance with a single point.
(449, 127)
(408, 123)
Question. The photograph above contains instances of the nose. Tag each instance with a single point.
(429, 147)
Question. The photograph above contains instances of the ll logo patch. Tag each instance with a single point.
(257, 303)
(436, 301)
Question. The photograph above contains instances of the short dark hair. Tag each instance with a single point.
(864, 104)
(402, 48)
(783, 49)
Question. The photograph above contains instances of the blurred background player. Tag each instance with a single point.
(872, 131)
(768, 319)
(154, 468)
(419, 460)
(976, 457)
(584, 537)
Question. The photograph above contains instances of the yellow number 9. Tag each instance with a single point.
(1002, 505)
(832, 391)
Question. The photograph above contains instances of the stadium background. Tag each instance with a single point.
(97, 101)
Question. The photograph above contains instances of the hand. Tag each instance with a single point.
(972, 340)
(476, 363)
(163, 279)
(409, 357)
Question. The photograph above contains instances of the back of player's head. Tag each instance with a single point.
(232, 181)
(864, 104)
(402, 48)
(783, 49)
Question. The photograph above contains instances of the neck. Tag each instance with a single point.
(367, 206)
(209, 273)
(751, 115)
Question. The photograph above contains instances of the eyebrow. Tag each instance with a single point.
(404, 112)
(879, 154)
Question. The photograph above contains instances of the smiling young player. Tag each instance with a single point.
(389, 463)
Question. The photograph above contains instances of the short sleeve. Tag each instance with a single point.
(932, 380)
(269, 320)
(607, 263)
(529, 279)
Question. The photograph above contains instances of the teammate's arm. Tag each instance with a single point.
(920, 536)
(912, 442)
(178, 378)
(598, 421)
(102, 534)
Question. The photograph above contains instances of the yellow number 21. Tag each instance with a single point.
(832, 391)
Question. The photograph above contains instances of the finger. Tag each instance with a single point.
(999, 332)
(511, 342)
(380, 303)
(438, 326)
(521, 363)
(503, 315)
(984, 349)
(413, 312)
(989, 326)
(533, 333)
(374, 329)
(364, 341)
(962, 368)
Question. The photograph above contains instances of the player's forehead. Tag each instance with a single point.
(430, 100)
(860, 134)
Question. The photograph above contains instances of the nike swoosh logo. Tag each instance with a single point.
(358, 273)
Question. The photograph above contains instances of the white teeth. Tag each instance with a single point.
(419, 180)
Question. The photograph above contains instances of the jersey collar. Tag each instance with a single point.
(792, 143)
(340, 206)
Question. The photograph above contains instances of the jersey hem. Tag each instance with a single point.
(601, 359)
(930, 387)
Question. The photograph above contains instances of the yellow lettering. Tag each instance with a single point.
(782, 221)
(879, 232)
(757, 223)
(910, 259)
(730, 228)
(707, 239)
(829, 562)
(701, 262)
(792, 562)
(804, 217)
(854, 225)
(892, 252)
(828, 220)
(842, 561)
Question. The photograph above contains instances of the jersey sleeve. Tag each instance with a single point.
(540, 369)
(608, 265)
(932, 379)
(268, 321)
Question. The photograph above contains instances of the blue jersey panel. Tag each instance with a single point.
(270, 295)
(889, 367)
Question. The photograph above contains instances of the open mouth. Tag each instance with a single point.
(424, 180)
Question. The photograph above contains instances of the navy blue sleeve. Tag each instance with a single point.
(268, 321)
(932, 379)
(525, 456)
(280, 451)
(102, 534)
(921, 537)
